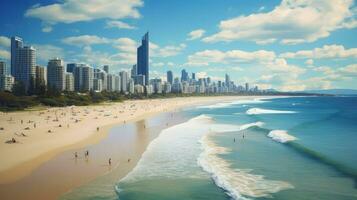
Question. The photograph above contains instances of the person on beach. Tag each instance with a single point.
(110, 161)
(234, 140)
(75, 155)
(86, 153)
(129, 160)
(97, 128)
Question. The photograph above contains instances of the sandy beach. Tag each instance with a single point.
(43, 134)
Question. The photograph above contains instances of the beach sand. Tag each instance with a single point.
(31, 157)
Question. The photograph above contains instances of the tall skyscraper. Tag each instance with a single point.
(184, 75)
(247, 87)
(24, 65)
(143, 58)
(101, 74)
(56, 74)
(106, 68)
(193, 76)
(16, 42)
(83, 78)
(170, 77)
(227, 80)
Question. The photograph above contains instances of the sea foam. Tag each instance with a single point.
(259, 111)
(237, 102)
(239, 183)
(281, 136)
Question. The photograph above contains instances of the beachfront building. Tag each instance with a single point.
(23, 62)
(110, 82)
(131, 88)
(6, 82)
(83, 78)
(167, 88)
(124, 80)
(143, 58)
(139, 89)
(97, 85)
(101, 74)
(41, 75)
(56, 74)
(117, 83)
(69, 82)
(149, 89)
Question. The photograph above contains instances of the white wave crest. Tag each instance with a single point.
(281, 136)
(237, 182)
(237, 102)
(258, 111)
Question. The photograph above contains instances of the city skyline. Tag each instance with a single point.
(321, 56)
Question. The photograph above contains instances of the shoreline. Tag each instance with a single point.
(16, 164)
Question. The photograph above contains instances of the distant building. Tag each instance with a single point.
(6, 82)
(71, 67)
(117, 83)
(101, 74)
(2, 68)
(69, 82)
(41, 76)
(193, 76)
(138, 89)
(83, 78)
(97, 84)
(170, 77)
(143, 58)
(124, 80)
(184, 75)
(111, 82)
(131, 86)
(247, 87)
(139, 79)
(134, 71)
(106, 68)
(56, 74)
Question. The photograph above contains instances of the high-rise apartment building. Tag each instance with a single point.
(143, 58)
(170, 77)
(83, 78)
(69, 82)
(56, 74)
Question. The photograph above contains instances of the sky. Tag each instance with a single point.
(289, 45)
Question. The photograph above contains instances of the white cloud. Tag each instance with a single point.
(206, 57)
(291, 22)
(165, 51)
(4, 54)
(309, 62)
(119, 25)
(84, 40)
(327, 51)
(5, 41)
(158, 64)
(125, 44)
(46, 52)
(196, 34)
(349, 70)
(70, 11)
(47, 29)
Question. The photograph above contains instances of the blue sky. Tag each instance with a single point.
(288, 45)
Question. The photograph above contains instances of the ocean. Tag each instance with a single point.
(281, 148)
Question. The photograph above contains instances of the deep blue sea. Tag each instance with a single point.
(295, 148)
(280, 148)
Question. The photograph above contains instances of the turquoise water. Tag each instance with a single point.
(282, 148)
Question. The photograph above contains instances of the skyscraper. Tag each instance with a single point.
(193, 76)
(124, 80)
(106, 68)
(134, 71)
(184, 75)
(69, 86)
(16, 42)
(143, 58)
(24, 65)
(83, 77)
(56, 74)
(228, 80)
(170, 77)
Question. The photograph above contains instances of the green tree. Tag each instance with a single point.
(19, 89)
